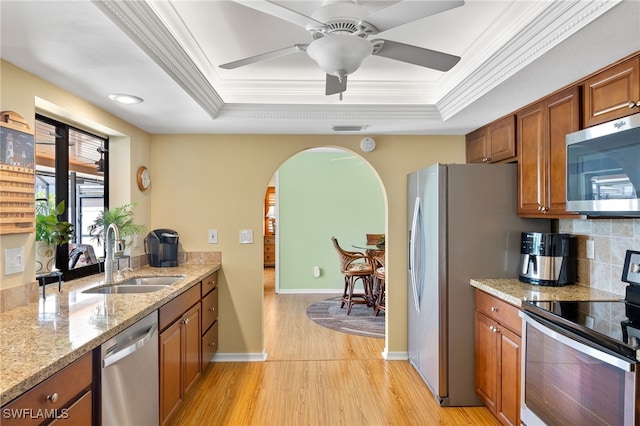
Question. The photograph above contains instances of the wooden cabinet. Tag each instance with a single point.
(269, 250)
(612, 93)
(497, 357)
(66, 398)
(494, 143)
(209, 318)
(180, 349)
(542, 128)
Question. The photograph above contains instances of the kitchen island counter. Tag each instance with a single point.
(514, 291)
(40, 339)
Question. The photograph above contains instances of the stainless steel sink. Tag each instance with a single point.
(147, 281)
(126, 289)
(136, 285)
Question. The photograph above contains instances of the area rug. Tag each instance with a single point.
(362, 322)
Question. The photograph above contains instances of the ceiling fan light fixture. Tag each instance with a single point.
(125, 99)
(339, 54)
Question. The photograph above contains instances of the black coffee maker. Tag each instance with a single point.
(161, 246)
(547, 259)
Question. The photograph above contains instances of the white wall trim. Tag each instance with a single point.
(395, 356)
(239, 357)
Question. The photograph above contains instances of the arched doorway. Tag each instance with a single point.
(321, 193)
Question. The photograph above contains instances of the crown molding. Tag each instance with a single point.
(556, 23)
(329, 112)
(142, 25)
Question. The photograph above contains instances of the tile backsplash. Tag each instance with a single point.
(611, 238)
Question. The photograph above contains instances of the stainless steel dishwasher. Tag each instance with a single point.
(130, 392)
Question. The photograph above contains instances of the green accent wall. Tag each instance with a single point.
(320, 195)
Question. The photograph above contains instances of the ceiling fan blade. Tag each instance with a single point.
(264, 56)
(416, 55)
(406, 11)
(279, 11)
(335, 84)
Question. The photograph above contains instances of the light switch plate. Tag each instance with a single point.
(246, 236)
(213, 236)
(13, 260)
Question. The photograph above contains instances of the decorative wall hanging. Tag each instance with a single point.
(17, 175)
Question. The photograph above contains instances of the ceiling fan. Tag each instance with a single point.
(341, 31)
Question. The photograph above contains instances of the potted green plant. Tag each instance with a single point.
(50, 233)
(122, 216)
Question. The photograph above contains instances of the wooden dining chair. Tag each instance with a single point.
(354, 266)
(380, 283)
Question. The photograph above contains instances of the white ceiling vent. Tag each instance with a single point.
(348, 128)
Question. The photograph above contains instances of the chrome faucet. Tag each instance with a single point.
(112, 247)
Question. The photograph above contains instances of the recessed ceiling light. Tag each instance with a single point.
(125, 99)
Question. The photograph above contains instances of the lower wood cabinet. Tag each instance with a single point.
(209, 318)
(180, 350)
(66, 398)
(497, 357)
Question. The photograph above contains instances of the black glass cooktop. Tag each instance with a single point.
(614, 325)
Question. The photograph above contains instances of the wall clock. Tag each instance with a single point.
(144, 178)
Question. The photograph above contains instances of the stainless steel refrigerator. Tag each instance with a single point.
(463, 224)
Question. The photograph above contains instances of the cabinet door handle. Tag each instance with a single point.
(185, 321)
(53, 397)
(212, 309)
(212, 344)
(634, 104)
(494, 329)
(485, 159)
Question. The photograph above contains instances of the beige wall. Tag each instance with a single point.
(26, 94)
(218, 181)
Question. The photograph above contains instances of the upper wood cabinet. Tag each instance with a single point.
(493, 143)
(609, 94)
(542, 128)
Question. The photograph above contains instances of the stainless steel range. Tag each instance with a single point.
(580, 359)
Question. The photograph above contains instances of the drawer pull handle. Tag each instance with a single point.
(494, 309)
(53, 397)
(212, 282)
(212, 344)
(212, 309)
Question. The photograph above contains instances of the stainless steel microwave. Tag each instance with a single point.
(603, 169)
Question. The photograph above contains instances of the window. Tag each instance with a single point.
(72, 166)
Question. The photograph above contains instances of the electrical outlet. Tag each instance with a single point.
(591, 249)
(213, 236)
(13, 260)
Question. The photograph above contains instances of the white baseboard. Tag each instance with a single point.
(239, 357)
(395, 356)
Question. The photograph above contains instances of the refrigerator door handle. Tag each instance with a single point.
(412, 252)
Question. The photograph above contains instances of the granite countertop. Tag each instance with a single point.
(41, 338)
(515, 292)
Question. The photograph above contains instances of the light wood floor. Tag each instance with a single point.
(317, 377)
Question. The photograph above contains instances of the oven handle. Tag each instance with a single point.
(578, 346)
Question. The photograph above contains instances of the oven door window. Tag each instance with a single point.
(563, 385)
